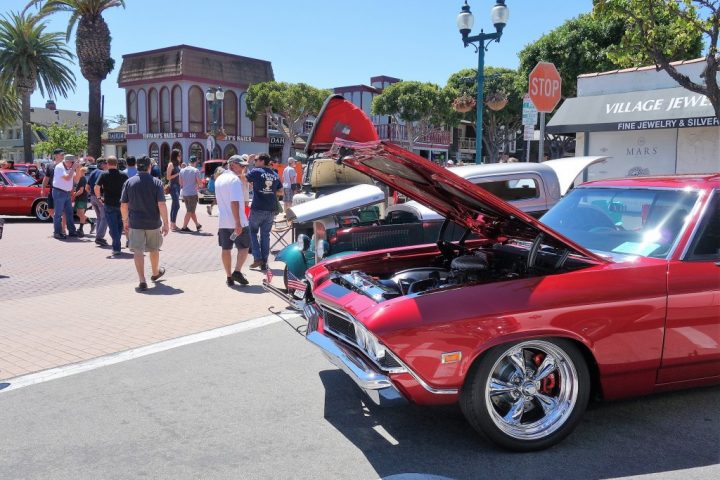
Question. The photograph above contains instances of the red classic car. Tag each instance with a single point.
(20, 195)
(615, 292)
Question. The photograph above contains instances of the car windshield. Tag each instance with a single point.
(20, 179)
(623, 221)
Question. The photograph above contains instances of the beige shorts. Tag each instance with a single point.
(191, 202)
(144, 240)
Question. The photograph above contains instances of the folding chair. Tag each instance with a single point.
(278, 233)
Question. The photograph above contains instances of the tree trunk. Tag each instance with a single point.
(26, 127)
(95, 120)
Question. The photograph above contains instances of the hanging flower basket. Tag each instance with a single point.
(496, 101)
(463, 104)
(221, 135)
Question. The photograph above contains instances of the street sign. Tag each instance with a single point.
(544, 87)
(210, 144)
(529, 133)
(529, 112)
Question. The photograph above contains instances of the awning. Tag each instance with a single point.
(640, 110)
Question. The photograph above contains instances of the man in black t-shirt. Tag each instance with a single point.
(108, 189)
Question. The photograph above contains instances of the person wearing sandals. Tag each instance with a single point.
(172, 175)
(189, 184)
(145, 219)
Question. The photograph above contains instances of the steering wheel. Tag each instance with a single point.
(591, 220)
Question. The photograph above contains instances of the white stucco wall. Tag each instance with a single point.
(698, 150)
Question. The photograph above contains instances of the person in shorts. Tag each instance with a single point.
(145, 220)
(232, 221)
(189, 184)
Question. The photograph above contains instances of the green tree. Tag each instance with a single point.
(421, 107)
(655, 29)
(500, 127)
(92, 45)
(287, 107)
(68, 137)
(32, 58)
(9, 105)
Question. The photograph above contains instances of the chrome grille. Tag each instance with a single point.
(339, 325)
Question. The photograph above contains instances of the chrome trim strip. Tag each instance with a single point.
(701, 216)
(378, 387)
(406, 369)
(292, 302)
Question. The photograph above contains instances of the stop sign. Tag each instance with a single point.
(544, 87)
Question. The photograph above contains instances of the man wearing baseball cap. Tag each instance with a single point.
(63, 176)
(58, 155)
(232, 222)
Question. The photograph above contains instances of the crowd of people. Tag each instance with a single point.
(132, 202)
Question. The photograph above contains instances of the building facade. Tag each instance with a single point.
(167, 105)
(11, 138)
(643, 121)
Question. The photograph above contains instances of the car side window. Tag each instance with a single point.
(3, 182)
(512, 190)
(706, 244)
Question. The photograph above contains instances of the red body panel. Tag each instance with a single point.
(15, 199)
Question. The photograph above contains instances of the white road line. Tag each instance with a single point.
(113, 358)
(385, 434)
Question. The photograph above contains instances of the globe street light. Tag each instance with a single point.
(465, 20)
(214, 96)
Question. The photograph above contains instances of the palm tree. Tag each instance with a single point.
(9, 105)
(92, 45)
(32, 58)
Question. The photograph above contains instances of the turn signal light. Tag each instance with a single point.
(451, 357)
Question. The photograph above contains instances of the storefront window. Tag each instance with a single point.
(165, 110)
(176, 109)
(230, 107)
(154, 126)
(198, 151)
(132, 107)
(230, 150)
(261, 126)
(196, 106)
(164, 156)
(178, 146)
(154, 151)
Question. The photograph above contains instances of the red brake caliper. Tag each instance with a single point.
(548, 383)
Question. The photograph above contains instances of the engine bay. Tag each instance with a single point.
(459, 266)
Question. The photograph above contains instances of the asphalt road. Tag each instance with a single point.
(264, 404)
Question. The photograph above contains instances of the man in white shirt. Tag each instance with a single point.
(232, 221)
(63, 176)
(289, 178)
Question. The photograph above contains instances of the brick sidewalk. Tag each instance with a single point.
(64, 302)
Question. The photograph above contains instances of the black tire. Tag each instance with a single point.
(538, 422)
(40, 210)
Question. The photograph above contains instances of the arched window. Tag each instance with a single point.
(196, 109)
(177, 109)
(164, 156)
(229, 151)
(132, 107)
(230, 113)
(178, 146)
(153, 119)
(154, 151)
(165, 110)
(197, 150)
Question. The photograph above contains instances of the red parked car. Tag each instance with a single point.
(20, 195)
(615, 292)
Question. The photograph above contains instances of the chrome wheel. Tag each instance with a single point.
(532, 390)
(40, 210)
(528, 395)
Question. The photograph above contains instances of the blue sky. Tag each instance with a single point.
(324, 43)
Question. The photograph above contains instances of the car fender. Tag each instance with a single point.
(294, 259)
(342, 254)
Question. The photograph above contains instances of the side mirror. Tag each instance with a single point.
(303, 242)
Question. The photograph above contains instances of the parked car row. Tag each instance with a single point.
(613, 292)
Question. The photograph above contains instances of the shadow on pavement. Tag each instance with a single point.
(642, 436)
(2, 277)
(160, 288)
(254, 289)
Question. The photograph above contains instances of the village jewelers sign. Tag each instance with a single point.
(645, 110)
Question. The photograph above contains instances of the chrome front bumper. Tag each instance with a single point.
(292, 302)
(376, 386)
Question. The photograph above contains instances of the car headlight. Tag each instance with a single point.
(369, 342)
(322, 249)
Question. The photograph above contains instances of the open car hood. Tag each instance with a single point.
(348, 199)
(339, 118)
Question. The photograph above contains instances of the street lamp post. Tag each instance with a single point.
(214, 96)
(465, 20)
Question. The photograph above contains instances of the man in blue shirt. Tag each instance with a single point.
(131, 169)
(265, 184)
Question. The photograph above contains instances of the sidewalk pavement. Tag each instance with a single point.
(65, 302)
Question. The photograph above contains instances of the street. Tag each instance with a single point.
(254, 405)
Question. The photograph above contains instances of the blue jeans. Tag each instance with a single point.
(63, 206)
(262, 221)
(175, 206)
(114, 221)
